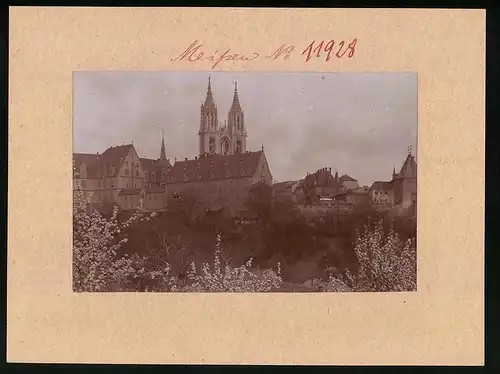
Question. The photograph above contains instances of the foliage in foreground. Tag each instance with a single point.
(220, 278)
(385, 262)
(96, 240)
(97, 266)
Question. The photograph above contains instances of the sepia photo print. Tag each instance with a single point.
(244, 182)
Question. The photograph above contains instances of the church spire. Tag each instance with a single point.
(209, 101)
(163, 153)
(235, 106)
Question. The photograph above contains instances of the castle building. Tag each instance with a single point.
(119, 176)
(218, 182)
(321, 184)
(401, 191)
(221, 138)
(348, 183)
(221, 177)
(156, 170)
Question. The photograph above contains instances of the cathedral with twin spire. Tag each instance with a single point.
(220, 176)
(221, 138)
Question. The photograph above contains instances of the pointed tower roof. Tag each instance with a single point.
(163, 153)
(236, 101)
(409, 168)
(209, 101)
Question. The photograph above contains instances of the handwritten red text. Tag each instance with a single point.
(329, 49)
(283, 50)
(194, 53)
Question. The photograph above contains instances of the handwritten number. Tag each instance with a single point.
(318, 49)
(341, 45)
(309, 50)
(339, 51)
(329, 49)
(351, 47)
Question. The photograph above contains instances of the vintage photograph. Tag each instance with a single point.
(244, 182)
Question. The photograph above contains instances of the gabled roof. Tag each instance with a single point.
(281, 186)
(322, 177)
(347, 178)
(409, 168)
(215, 167)
(90, 161)
(149, 164)
(384, 186)
(114, 157)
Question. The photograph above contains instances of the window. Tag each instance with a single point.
(198, 176)
(84, 183)
(126, 172)
(212, 145)
(212, 175)
(153, 176)
(136, 172)
(147, 175)
(185, 177)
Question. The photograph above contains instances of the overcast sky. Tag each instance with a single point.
(360, 124)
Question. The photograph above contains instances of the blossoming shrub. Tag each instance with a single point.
(385, 262)
(220, 278)
(96, 240)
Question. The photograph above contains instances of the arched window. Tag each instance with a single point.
(238, 146)
(211, 145)
(225, 146)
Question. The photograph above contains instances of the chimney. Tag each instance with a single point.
(186, 159)
(196, 157)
